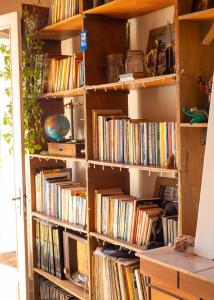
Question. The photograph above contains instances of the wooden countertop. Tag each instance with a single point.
(184, 262)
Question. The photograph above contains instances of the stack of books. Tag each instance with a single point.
(170, 229)
(63, 9)
(126, 217)
(121, 278)
(58, 196)
(49, 248)
(48, 290)
(133, 141)
(63, 73)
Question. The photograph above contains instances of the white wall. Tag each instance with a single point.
(7, 6)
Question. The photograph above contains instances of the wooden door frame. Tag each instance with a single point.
(13, 21)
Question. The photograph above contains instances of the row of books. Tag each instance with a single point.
(49, 248)
(58, 196)
(135, 141)
(170, 229)
(49, 291)
(126, 217)
(63, 73)
(63, 9)
(121, 278)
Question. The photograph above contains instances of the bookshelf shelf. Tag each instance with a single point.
(118, 8)
(56, 221)
(63, 29)
(56, 157)
(142, 83)
(197, 125)
(66, 285)
(149, 82)
(127, 166)
(64, 94)
(204, 15)
(129, 9)
(117, 242)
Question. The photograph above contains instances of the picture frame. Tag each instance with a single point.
(157, 55)
(166, 189)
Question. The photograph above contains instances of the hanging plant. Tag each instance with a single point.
(32, 66)
(5, 74)
(32, 58)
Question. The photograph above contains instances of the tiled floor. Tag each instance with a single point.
(8, 276)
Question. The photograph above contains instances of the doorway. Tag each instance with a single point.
(8, 237)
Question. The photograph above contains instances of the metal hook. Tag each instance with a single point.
(89, 165)
(161, 174)
(105, 89)
(103, 167)
(120, 169)
(94, 166)
(143, 84)
(149, 173)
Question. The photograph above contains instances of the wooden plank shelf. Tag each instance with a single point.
(196, 125)
(141, 83)
(204, 15)
(66, 285)
(56, 221)
(64, 29)
(118, 242)
(127, 9)
(56, 157)
(63, 94)
(133, 167)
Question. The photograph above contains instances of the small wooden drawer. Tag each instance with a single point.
(159, 272)
(72, 150)
(197, 287)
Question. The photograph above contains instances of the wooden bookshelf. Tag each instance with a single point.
(104, 23)
(195, 125)
(66, 285)
(116, 8)
(58, 222)
(56, 157)
(123, 244)
(65, 94)
(63, 29)
(204, 15)
(142, 83)
(151, 169)
(129, 9)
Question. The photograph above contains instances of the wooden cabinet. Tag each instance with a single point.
(106, 26)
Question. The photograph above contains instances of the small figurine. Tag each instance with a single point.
(196, 115)
(183, 242)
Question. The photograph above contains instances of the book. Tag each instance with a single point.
(58, 196)
(121, 216)
(50, 243)
(62, 72)
(48, 290)
(116, 138)
(62, 9)
(121, 276)
(130, 76)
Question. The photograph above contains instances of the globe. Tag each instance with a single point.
(57, 126)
